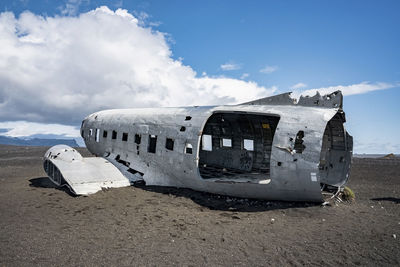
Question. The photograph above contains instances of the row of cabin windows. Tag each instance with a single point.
(248, 144)
(114, 135)
(169, 144)
(151, 148)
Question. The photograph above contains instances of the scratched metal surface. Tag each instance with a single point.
(296, 177)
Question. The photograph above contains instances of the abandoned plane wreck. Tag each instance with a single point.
(272, 148)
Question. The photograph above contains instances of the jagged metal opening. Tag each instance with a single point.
(336, 153)
(237, 147)
(53, 173)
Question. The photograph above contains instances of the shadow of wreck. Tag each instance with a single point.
(204, 199)
(45, 182)
(226, 203)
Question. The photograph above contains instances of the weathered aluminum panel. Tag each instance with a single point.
(294, 175)
(83, 176)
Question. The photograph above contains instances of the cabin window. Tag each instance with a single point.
(97, 136)
(138, 138)
(125, 137)
(104, 134)
(248, 144)
(188, 118)
(188, 149)
(151, 148)
(226, 142)
(90, 132)
(206, 142)
(83, 133)
(169, 144)
(114, 135)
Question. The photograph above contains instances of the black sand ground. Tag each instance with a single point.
(42, 225)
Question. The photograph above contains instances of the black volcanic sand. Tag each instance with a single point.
(43, 225)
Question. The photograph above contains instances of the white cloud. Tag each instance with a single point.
(299, 85)
(71, 7)
(24, 128)
(244, 76)
(144, 20)
(230, 66)
(353, 89)
(60, 69)
(269, 69)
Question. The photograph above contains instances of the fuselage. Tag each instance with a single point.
(281, 152)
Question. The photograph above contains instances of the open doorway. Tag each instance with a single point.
(237, 147)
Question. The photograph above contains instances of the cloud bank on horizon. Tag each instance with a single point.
(60, 69)
(24, 129)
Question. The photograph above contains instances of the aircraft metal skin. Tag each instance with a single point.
(272, 148)
(82, 175)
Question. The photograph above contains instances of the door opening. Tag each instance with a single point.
(237, 147)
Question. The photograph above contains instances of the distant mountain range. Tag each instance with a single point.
(377, 156)
(5, 140)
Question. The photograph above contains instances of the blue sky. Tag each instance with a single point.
(279, 45)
